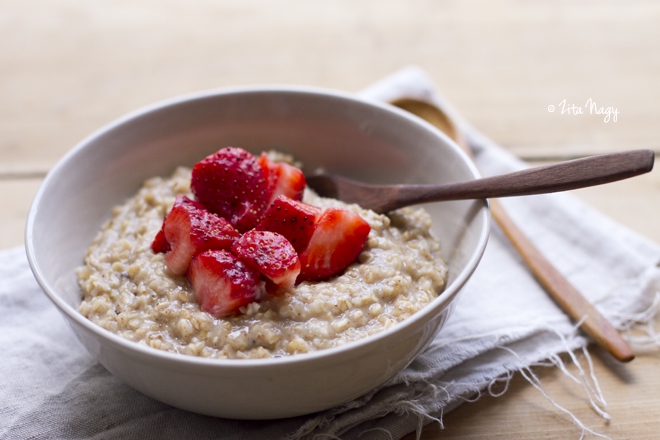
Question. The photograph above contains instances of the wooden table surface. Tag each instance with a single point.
(67, 67)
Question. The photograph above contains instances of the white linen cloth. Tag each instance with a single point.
(52, 388)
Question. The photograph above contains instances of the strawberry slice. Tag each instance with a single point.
(338, 239)
(231, 183)
(282, 179)
(270, 254)
(189, 230)
(160, 244)
(292, 219)
(222, 283)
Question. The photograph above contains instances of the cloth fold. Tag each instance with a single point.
(504, 322)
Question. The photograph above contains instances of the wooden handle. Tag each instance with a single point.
(572, 174)
(564, 176)
(562, 291)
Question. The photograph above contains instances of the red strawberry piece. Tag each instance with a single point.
(231, 183)
(294, 220)
(222, 283)
(338, 239)
(282, 179)
(160, 244)
(190, 230)
(271, 254)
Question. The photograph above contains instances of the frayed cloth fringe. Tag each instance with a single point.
(426, 399)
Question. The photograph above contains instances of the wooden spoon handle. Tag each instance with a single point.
(572, 174)
(562, 291)
(564, 176)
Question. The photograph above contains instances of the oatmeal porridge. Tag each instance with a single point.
(128, 289)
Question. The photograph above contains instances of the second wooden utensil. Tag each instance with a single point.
(559, 288)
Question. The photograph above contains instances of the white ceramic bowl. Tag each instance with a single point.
(370, 141)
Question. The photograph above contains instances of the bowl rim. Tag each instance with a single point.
(435, 306)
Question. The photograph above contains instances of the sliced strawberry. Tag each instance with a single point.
(222, 283)
(294, 220)
(270, 254)
(231, 183)
(190, 230)
(160, 244)
(338, 239)
(282, 179)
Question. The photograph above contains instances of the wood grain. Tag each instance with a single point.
(15, 198)
(522, 413)
(502, 63)
(69, 67)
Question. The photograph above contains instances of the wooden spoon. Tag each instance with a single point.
(560, 289)
(572, 174)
